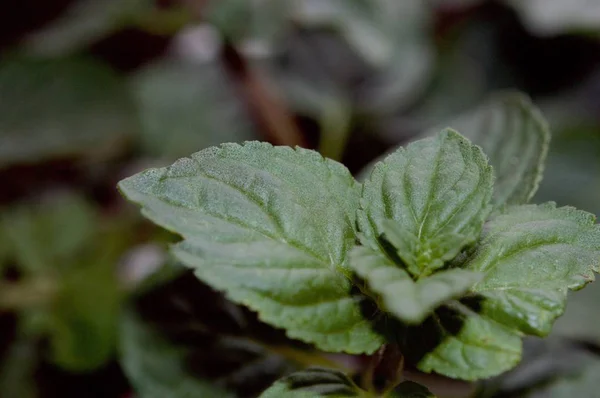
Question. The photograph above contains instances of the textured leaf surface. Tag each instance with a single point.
(437, 190)
(531, 256)
(53, 108)
(459, 343)
(272, 227)
(409, 301)
(515, 137)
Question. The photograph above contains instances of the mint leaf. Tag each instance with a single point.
(437, 190)
(531, 256)
(409, 301)
(460, 343)
(313, 383)
(514, 135)
(271, 226)
(321, 382)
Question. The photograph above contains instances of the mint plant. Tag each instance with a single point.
(436, 253)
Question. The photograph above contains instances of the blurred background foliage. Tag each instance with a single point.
(92, 91)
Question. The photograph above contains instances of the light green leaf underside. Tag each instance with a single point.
(409, 301)
(437, 190)
(271, 226)
(514, 135)
(155, 367)
(481, 348)
(531, 256)
(67, 107)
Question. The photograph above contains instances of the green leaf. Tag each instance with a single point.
(82, 323)
(68, 292)
(156, 368)
(584, 384)
(438, 191)
(174, 344)
(17, 370)
(407, 300)
(271, 226)
(59, 108)
(410, 389)
(31, 232)
(554, 17)
(313, 383)
(531, 256)
(83, 23)
(514, 135)
(321, 382)
(195, 103)
(459, 343)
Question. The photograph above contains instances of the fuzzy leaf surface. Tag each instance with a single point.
(407, 300)
(530, 256)
(437, 191)
(270, 226)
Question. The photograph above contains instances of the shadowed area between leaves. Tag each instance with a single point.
(223, 342)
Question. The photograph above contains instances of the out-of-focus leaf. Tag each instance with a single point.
(83, 23)
(573, 167)
(578, 321)
(173, 344)
(514, 135)
(47, 237)
(544, 361)
(185, 107)
(553, 17)
(17, 370)
(68, 291)
(584, 384)
(393, 36)
(82, 323)
(54, 108)
(259, 22)
(157, 368)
